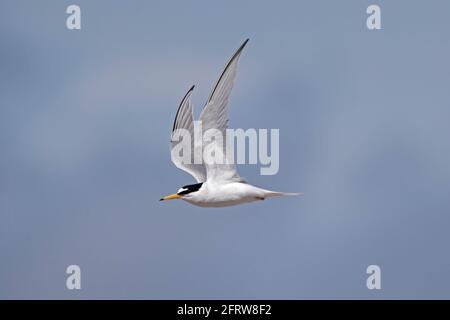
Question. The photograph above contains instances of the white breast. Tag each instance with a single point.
(223, 195)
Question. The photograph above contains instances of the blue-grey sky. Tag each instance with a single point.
(85, 118)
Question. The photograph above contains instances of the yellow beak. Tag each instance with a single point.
(170, 197)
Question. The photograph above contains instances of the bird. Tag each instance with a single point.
(218, 185)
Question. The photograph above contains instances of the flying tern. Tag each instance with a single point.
(218, 185)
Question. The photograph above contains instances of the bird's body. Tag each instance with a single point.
(226, 194)
(218, 184)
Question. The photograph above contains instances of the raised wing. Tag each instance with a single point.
(182, 151)
(215, 116)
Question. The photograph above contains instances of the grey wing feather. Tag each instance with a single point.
(215, 116)
(184, 121)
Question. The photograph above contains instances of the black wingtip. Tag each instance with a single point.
(236, 54)
(179, 107)
(242, 45)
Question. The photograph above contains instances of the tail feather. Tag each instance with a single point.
(278, 194)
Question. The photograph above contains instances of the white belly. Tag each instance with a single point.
(224, 195)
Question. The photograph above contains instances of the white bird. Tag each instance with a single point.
(218, 185)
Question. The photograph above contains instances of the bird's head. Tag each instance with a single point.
(183, 192)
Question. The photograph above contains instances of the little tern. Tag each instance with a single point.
(218, 185)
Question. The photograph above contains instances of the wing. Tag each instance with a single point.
(183, 124)
(215, 116)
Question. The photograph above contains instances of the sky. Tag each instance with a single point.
(85, 120)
